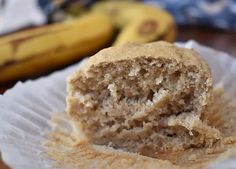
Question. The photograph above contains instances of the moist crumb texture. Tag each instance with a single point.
(64, 149)
(149, 99)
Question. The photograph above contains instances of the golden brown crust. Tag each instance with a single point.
(159, 49)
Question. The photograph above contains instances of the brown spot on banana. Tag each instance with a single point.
(21, 39)
(41, 63)
(137, 22)
(43, 49)
(114, 11)
(53, 50)
(147, 27)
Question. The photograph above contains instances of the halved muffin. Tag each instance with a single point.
(142, 98)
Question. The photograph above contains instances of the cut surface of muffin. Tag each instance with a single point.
(142, 98)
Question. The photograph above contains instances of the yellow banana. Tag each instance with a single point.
(170, 34)
(41, 49)
(138, 22)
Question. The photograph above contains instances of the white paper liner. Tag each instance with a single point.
(27, 108)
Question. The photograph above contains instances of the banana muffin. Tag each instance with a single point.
(143, 98)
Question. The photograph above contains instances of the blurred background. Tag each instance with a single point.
(38, 37)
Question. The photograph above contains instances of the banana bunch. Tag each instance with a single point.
(39, 50)
(35, 51)
(138, 22)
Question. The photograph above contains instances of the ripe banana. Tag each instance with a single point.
(138, 22)
(41, 49)
(170, 35)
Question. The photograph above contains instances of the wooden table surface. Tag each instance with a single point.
(218, 39)
(215, 38)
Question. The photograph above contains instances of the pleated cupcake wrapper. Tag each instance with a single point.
(27, 109)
